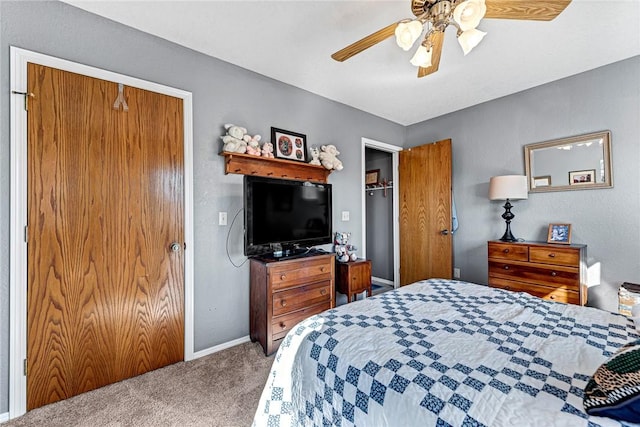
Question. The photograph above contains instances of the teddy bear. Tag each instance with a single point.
(345, 252)
(267, 150)
(234, 139)
(328, 157)
(253, 144)
(315, 154)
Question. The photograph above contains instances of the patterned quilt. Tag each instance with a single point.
(442, 353)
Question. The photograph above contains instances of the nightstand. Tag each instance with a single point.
(353, 277)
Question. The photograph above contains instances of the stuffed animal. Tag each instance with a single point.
(234, 139)
(315, 154)
(328, 157)
(253, 144)
(345, 252)
(341, 254)
(267, 150)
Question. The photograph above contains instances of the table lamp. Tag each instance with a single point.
(508, 187)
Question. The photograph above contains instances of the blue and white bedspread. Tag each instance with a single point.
(442, 353)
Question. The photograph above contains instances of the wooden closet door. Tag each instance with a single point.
(426, 245)
(105, 203)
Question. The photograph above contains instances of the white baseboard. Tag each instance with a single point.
(383, 281)
(4, 417)
(220, 347)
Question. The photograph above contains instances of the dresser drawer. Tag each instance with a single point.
(554, 255)
(508, 251)
(536, 273)
(300, 297)
(552, 294)
(289, 274)
(283, 324)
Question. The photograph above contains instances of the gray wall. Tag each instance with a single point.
(488, 140)
(222, 93)
(379, 214)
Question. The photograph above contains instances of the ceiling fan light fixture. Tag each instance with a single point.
(469, 13)
(470, 39)
(407, 33)
(422, 57)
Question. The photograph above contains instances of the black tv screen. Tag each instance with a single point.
(281, 212)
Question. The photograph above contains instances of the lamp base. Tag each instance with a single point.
(508, 237)
(508, 216)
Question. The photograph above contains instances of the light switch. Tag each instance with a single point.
(345, 215)
(222, 218)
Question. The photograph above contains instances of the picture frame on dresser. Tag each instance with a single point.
(559, 233)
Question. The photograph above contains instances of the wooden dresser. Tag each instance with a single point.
(550, 271)
(284, 293)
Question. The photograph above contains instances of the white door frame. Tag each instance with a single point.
(18, 209)
(395, 159)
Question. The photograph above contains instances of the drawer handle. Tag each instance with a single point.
(552, 255)
(323, 292)
(554, 274)
(322, 269)
(508, 288)
(282, 277)
(506, 251)
(283, 303)
(282, 325)
(506, 267)
(552, 297)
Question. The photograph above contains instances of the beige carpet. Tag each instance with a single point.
(221, 389)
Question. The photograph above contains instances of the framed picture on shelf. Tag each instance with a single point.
(559, 233)
(289, 145)
(582, 177)
(372, 177)
(542, 181)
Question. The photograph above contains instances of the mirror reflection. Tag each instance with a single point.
(575, 163)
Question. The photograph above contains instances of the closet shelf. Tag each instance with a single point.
(378, 188)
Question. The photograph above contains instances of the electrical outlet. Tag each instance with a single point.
(222, 218)
(345, 215)
(456, 273)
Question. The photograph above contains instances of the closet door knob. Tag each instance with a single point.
(444, 232)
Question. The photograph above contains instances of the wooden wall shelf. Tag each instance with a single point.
(246, 164)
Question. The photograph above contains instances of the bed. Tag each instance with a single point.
(442, 353)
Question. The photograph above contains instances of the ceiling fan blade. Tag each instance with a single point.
(531, 10)
(437, 38)
(365, 43)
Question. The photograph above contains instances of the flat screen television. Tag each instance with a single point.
(281, 216)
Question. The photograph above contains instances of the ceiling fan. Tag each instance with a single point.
(434, 16)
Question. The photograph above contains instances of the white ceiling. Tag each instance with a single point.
(291, 41)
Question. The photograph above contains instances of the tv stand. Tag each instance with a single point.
(283, 293)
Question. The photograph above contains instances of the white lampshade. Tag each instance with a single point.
(470, 39)
(469, 13)
(422, 57)
(512, 187)
(407, 33)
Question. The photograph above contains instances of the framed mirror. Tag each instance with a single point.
(576, 163)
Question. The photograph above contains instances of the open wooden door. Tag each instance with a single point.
(105, 234)
(425, 212)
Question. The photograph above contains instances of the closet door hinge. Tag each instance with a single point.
(26, 234)
(25, 367)
(26, 95)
